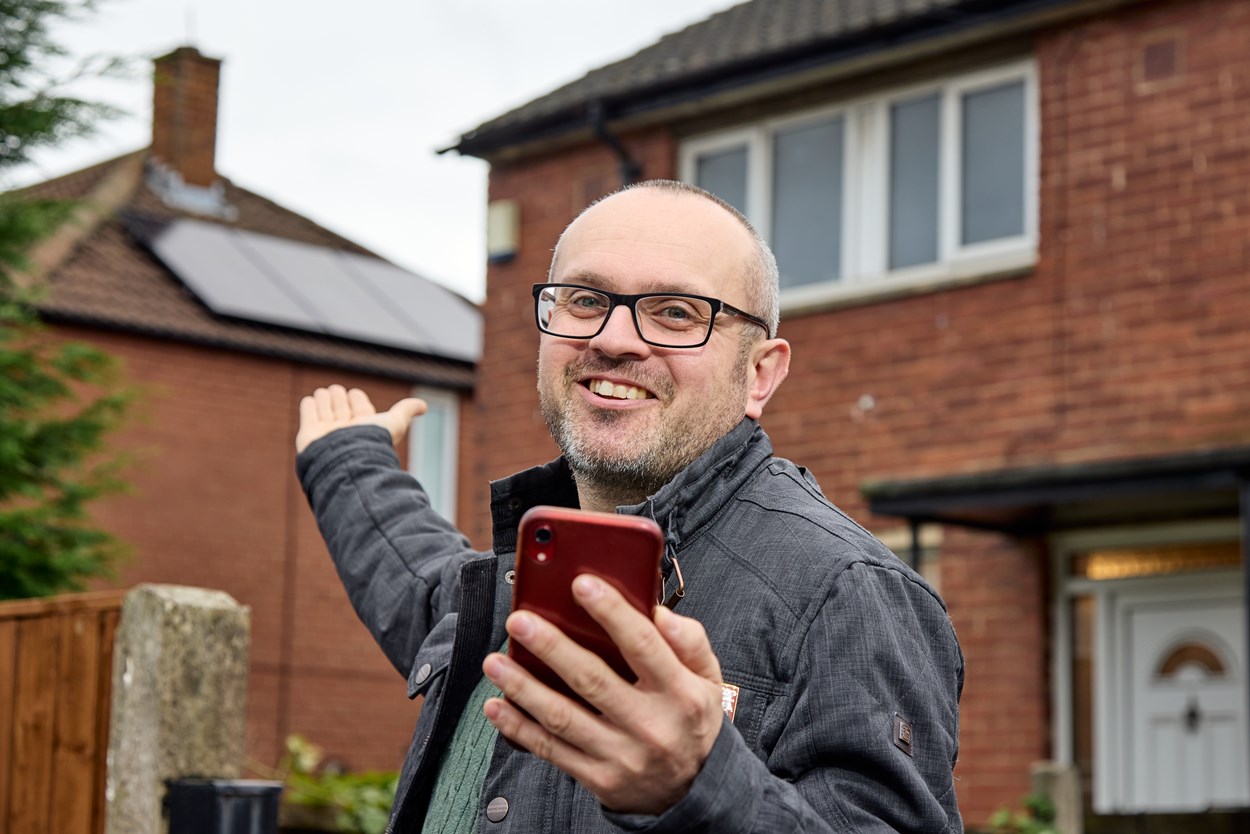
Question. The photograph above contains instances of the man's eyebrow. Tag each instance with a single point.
(592, 279)
(605, 282)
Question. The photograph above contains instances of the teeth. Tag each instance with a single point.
(621, 392)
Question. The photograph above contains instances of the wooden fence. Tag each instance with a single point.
(56, 680)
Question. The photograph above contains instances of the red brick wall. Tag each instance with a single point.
(216, 504)
(1128, 338)
(508, 431)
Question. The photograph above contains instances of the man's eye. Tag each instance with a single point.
(676, 312)
(585, 304)
(673, 313)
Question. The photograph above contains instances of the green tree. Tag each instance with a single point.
(58, 400)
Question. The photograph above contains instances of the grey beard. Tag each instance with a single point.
(631, 479)
(634, 477)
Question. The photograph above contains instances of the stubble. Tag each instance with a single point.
(638, 467)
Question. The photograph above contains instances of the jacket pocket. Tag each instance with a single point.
(433, 657)
(748, 696)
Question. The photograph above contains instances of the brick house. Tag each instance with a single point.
(215, 300)
(1016, 281)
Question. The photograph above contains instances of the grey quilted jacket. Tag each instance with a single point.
(847, 668)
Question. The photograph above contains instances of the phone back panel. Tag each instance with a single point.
(554, 546)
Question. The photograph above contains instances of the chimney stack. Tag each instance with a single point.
(184, 115)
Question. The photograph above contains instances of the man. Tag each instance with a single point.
(807, 680)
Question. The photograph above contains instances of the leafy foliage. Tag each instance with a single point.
(34, 112)
(1037, 817)
(57, 400)
(362, 801)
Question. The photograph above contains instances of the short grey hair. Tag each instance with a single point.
(763, 280)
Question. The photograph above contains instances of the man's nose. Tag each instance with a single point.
(619, 336)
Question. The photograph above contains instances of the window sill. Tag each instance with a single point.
(869, 289)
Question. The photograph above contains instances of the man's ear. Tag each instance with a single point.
(770, 362)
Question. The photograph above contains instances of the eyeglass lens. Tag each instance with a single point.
(578, 313)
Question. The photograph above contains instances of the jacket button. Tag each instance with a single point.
(514, 504)
(424, 672)
(497, 809)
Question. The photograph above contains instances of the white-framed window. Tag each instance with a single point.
(910, 187)
(433, 441)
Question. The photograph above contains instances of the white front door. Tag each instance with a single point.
(1182, 686)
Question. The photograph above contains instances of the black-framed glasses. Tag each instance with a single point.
(663, 319)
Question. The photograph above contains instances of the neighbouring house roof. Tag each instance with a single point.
(1205, 483)
(746, 45)
(96, 272)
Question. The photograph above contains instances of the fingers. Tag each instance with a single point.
(335, 404)
(688, 640)
(520, 729)
(584, 671)
(359, 403)
(643, 752)
(335, 407)
(555, 725)
(640, 643)
(325, 408)
(339, 406)
(401, 415)
(408, 409)
(307, 420)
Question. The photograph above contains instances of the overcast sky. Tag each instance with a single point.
(335, 109)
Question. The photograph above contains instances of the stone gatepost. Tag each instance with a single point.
(1062, 783)
(179, 698)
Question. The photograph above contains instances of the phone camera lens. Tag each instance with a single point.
(542, 535)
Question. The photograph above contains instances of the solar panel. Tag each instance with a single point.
(204, 256)
(315, 276)
(277, 281)
(442, 319)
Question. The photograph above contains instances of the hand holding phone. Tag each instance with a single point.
(554, 546)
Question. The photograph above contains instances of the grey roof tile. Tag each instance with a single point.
(751, 32)
(111, 280)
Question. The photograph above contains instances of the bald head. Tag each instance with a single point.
(756, 269)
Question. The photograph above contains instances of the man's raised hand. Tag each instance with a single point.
(337, 408)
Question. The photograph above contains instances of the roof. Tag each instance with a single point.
(97, 273)
(739, 47)
(1204, 483)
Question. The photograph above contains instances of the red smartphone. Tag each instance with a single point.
(554, 546)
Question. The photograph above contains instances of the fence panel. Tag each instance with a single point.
(56, 671)
(8, 665)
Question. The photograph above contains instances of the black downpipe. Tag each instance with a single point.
(1244, 484)
(630, 170)
(915, 543)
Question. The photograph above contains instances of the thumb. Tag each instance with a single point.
(689, 642)
(401, 415)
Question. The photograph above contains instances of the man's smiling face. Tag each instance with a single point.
(628, 415)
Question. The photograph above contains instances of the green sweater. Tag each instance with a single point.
(462, 768)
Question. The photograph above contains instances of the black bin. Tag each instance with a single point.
(222, 806)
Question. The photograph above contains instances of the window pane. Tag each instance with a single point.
(993, 163)
(430, 451)
(807, 203)
(914, 158)
(724, 173)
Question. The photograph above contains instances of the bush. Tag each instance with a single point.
(1037, 817)
(361, 802)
